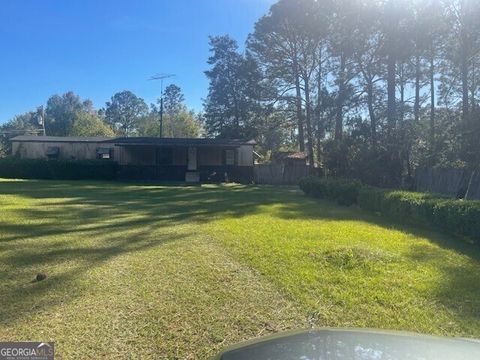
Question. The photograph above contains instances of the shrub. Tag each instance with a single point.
(457, 217)
(14, 168)
(312, 186)
(344, 192)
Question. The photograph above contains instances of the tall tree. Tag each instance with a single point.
(173, 99)
(61, 110)
(229, 108)
(462, 57)
(432, 30)
(124, 111)
(178, 121)
(311, 24)
(342, 44)
(420, 26)
(276, 45)
(370, 66)
(393, 28)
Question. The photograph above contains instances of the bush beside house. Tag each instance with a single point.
(457, 217)
(15, 168)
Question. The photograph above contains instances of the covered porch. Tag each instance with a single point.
(183, 160)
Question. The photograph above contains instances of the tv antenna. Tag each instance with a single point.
(160, 77)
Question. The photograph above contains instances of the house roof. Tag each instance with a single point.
(283, 155)
(76, 139)
(156, 141)
(129, 141)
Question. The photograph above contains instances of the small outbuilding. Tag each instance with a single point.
(289, 158)
(150, 158)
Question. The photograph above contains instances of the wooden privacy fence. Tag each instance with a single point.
(459, 183)
(279, 174)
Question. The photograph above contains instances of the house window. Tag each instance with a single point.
(52, 152)
(104, 153)
(164, 156)
(229, 157)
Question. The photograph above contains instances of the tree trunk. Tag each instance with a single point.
(416, 107)
(340, 100)
(298, 104)
(432, 103)
(391, 102)
(402, 94)
(371, 112)
(392, 118)
(308, 121)
(236, 115)
(465, 92)
(318, 109)
(319, 151)
(473, 89)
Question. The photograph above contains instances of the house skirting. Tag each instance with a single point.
(214, 174)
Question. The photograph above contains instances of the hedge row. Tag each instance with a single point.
(457, 217)
(344, 192)
(14, 168)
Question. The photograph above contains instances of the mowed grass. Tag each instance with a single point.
(139, 271)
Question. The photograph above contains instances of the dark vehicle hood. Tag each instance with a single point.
(341, 344)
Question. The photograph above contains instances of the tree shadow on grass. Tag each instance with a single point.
(326, 210)
(69, 228)
(24, 298)
(106, 204)
(457, 288)
(108, 210)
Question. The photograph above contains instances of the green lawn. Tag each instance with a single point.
(180, 272)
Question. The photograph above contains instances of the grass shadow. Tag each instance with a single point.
(124, 216)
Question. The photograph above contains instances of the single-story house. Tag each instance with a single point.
(150, 158)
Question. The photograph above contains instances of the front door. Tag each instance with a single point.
(192, 158)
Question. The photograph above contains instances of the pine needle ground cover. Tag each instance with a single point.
(148, 271)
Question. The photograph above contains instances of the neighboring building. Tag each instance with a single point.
(150, 158)
(289, 158)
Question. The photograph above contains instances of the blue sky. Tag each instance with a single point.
(98, 47)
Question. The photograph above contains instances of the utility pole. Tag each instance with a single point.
(161, 77)
(41, 118)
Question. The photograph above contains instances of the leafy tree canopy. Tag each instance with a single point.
(61, 110)
(124, 111)
(86, 124)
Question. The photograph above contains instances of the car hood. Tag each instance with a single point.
(353, 344)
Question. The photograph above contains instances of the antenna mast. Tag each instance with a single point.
(161, 77)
